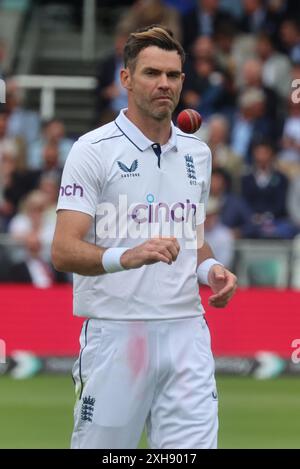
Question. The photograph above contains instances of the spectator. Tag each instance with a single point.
(15, 181)
(147, 12)
(252, 77)
(290, 142)
(32, 224)
(218, 235)
(254, 18)
(276, 67)
(111, 96)
(234, 211)
(53, 132)
(22, 123)
(222, 154)
(264, 189)
(203, 88)
(224, 37)
(293, 201)
(202, 21)
(34, 269)
(49, 186)
(290, 38)
(250, 123)
(289, 154)
(29, 219)
(4, 138)
(51, 163)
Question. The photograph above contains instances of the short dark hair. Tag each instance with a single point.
(154, 35)
(224, 174)
(263, 141)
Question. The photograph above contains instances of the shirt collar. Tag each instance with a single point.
(137, 138)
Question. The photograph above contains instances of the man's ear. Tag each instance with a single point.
(125, 77)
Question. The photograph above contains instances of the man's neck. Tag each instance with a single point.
(157, 131)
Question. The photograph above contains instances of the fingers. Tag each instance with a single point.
(219, 301)
(221, 298)
(167, 247)
(154, 257)
(154, 250)
(219, 272)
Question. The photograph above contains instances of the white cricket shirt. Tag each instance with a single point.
(118, 176)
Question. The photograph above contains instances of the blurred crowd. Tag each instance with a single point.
(32, 155)
(243, 57)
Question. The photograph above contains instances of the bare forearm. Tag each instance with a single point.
(205, 252)
(77, 256)
(73, 255)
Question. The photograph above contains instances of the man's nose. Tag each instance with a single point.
(164, 82)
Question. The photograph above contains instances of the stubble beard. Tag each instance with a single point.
(158, 114)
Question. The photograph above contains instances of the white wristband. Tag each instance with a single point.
(203, 269)
(111, 260)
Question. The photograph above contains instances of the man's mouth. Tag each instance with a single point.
(163, 98)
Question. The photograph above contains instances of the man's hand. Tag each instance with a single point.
(223, 283)
(152, 251)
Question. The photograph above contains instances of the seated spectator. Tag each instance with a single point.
(53, 132)
(290, 141)
(147, 12)
(222, 154)
(111, 96)
(219, 236)
(252, 77)
(251, 123)
(293, 201)
(203, 88)
(276, 67)
(290, 38)
(22, 123)
(15, 180)
(264, 189)
(234, 211)
(224, 37)
(32, 222)
(259, 17)
(4, 138)
(50, 160)
(49, 185)
(34, 269)
(202, 21)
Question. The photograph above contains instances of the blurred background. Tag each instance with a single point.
(59, 66)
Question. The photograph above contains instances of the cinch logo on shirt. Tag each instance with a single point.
(184, 220)
(129, 172)
(71, 190)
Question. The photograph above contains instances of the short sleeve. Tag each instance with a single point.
(82, 179)
(205, 189)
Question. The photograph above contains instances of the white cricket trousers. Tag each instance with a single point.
(158, 373)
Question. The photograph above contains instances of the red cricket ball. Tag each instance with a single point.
(189, 121)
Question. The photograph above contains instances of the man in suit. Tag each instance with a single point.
(33, 269)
